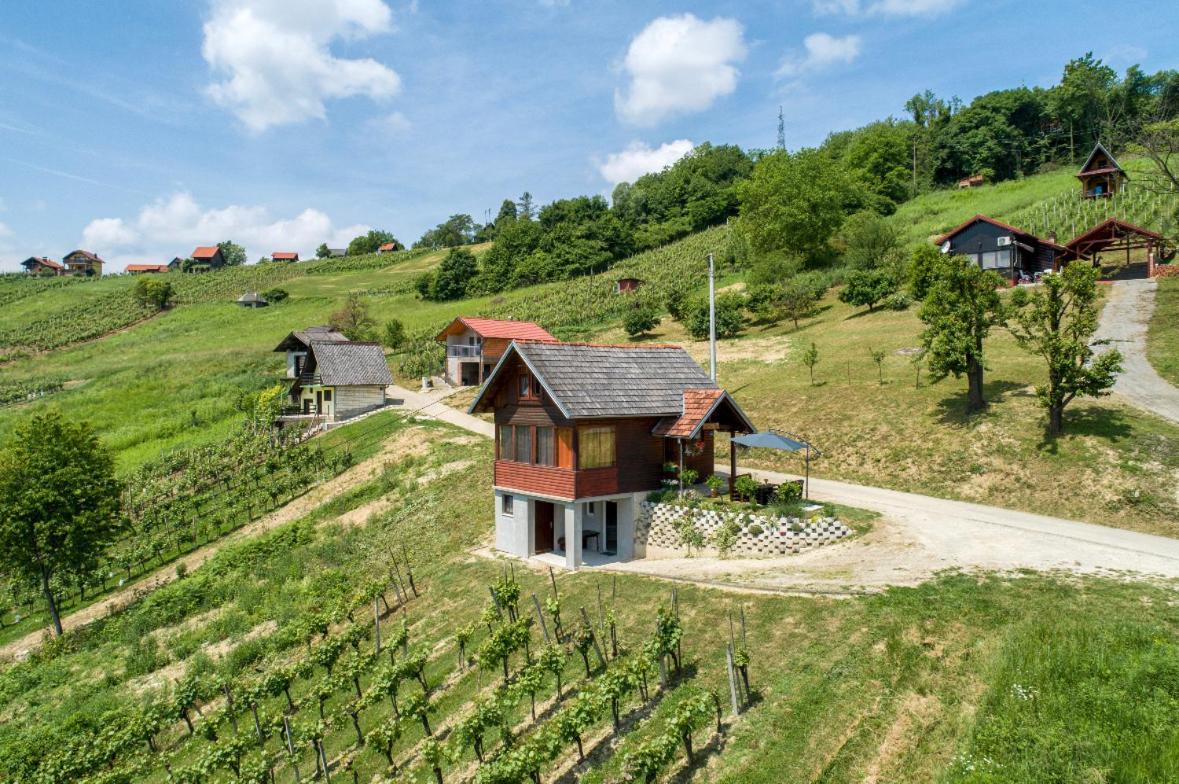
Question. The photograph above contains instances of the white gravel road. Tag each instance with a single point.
(1124, 321)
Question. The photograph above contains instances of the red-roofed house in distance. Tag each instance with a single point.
(390, 247)
(206, 258)
(148, 269)
(284, 255)
(40, 265)
(583, 435)
(474, 345)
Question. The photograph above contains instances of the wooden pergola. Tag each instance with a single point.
(1113, 235)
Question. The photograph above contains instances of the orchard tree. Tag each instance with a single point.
(59, 502)
(354, 319)
(866, 287)
(394, 337)
(730, 317)
(1057, 321)
(640, 320)
(152, 292)
(322, 252)
(960, 309)
(454, 275)
(234, 254)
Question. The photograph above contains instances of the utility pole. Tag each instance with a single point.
(914, 167)
(711, 318)
(781, 129)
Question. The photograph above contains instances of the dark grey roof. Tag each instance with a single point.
(302, 339)
(588, 380)
(251, 296)
(350, 364)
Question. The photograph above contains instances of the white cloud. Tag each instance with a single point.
(175, 225)
(639, 159)
(885, 7)
(678, 65)
(272, 62)
(821, 50)
(5, 231)
(107, 233)
(392, 124)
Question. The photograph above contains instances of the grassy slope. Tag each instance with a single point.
(962, 680)
(1162, 345)
(1104, 470)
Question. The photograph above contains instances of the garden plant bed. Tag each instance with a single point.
(673, 528)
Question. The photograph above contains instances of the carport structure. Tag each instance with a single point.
(1112, 236)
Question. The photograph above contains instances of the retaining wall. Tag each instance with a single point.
(656, 527)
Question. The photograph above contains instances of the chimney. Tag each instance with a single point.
(1052, 237)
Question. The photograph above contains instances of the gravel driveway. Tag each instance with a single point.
(1123, 323)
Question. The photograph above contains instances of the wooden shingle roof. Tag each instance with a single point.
(302, 339)
(351, 364)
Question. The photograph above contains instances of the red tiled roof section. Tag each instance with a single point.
(509, 330)
(697, 404)
(205, 252)
(284, 255)
(146, 267)
(388, 246)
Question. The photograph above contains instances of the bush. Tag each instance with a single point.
(922, 269)
(745, 487)
(640, 320)
(867, 287)
(725, 537)
(275, 296)
(677, 303)
(394, 336)
(755, 530)
(730, 317)
(152, 292)
(898, 301)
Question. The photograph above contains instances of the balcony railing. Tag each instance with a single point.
(464, 351)
(307, 379)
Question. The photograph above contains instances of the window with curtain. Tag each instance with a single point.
(595, 447)
(546, 447)
(505, 442)
(523, 444)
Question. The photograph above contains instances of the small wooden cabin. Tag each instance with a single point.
(390, 247)
(145, 269)
(583, 432)
(1101, 175)
(207, 258)
(1013, 253)
(83, 262)
(625, 285)
(973, 181)
(333, 379)
(284, 255)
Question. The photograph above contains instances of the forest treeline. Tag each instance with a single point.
(795, 202)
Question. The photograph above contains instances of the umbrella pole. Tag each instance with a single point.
(732, 470)
(806, 490)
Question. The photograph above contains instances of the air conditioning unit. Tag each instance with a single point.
(1003, 242)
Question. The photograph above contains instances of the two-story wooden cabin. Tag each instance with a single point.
(583, 433)
(474, 345)
(332, 378)
(1101, 175)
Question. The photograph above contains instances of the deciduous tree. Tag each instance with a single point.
(960, 309)
(59, 502)
(234, 254)
(1057, 321)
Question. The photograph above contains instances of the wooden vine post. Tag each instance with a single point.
(376, 626)
(593, 637)
(732, 680)
(540, 617)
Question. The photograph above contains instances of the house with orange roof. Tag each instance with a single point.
(84, 263)
(284, 255)
(583, 433)
(207, 258)
(141, 269)
(475, 345)
(42, 265)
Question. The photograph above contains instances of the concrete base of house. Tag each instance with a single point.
(572, 534)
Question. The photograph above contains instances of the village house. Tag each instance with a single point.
(626, 285)
(176, 264)
(1101, 175)
(207, 258)
(583, 433)
(83, 262)
(333, 378)
(474, 345)
(335, 253)
(973, 181)
(38, 265)
(390, 247)
(1013, 253)
(141, 269)
(284, 255)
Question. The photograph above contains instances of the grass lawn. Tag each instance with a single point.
(1162, 339)
(964, 679)
(1106, 468)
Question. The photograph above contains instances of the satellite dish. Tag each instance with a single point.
(946, 246)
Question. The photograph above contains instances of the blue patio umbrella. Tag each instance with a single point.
(768, 439)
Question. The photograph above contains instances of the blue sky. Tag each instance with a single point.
(140, 129)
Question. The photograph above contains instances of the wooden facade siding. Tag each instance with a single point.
(551, 481)
(351, 401)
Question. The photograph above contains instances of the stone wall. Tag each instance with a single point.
(656, 527)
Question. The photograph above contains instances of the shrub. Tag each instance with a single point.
(867, 287)
(640, 320)
(922, 269)
(689, 476)
(676, 301)
(898, 301)
(275, 296)
(715, 483)
(755, 530)
(745, 487)
(788, 492)
(394, 336)
(730, 317)
(152, 292)
(725, 537)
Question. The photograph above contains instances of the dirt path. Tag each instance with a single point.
(405, 443)
(1124, 322)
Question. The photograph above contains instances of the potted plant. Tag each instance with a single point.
(715, 483)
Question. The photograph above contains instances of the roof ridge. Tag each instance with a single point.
(587, 344)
